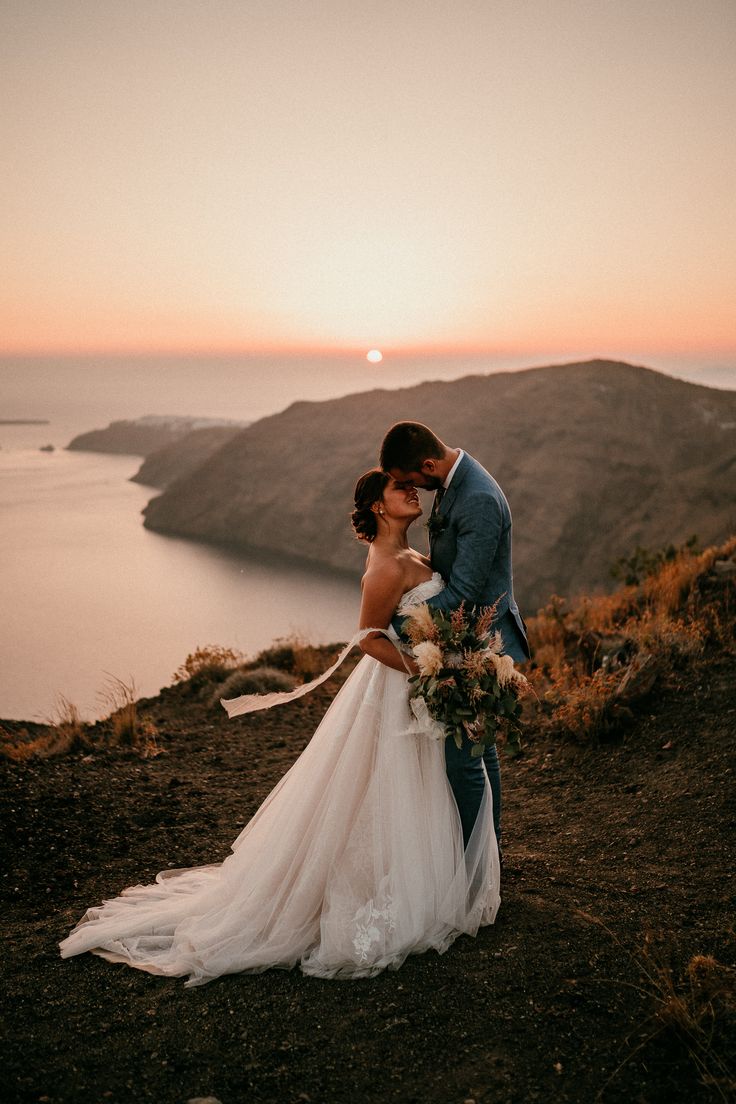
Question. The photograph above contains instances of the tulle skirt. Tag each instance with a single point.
(354, 861)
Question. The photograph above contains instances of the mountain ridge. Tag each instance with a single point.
(594, 456)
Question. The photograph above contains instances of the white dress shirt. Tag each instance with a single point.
(452, 470)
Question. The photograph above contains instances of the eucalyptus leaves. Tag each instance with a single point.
(465, 685)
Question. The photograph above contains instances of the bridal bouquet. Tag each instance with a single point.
(464, 686)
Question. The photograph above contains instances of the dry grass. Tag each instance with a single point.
(296, 657)
(695, 1007)
(593, 658)
(666, 635)
(309, 662)
(215, 664)
(128, 728)
(665, 591)
(66, 732)
(605, 612)
(581, 704)
(210, 663)
(288, 662)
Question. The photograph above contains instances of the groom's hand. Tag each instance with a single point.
(398, 621)
(410, 664)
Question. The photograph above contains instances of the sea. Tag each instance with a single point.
(88, 596)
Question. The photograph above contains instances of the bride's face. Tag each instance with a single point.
(400, 500)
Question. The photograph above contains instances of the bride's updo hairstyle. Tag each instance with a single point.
(368, 490)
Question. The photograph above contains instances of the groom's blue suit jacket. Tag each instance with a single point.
(470, 545)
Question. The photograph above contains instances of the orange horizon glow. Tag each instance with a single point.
(265, 185)
(603, 350)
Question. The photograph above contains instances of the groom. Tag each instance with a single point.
(470, 545)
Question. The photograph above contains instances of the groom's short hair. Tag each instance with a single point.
(407, 445)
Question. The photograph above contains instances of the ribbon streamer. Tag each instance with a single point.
(424, 723)
(251, 703)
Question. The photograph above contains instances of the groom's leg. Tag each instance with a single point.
(467, 780)
(493, 770)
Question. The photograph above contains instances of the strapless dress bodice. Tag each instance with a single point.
(421, 592)
(414, 597)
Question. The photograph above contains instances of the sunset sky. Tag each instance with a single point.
(505, 175)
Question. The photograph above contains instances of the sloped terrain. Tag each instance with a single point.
(594, 458)
(619, 867)
(182, 456)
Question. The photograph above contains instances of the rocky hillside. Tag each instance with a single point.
(141, 436)
(594, 457)
(183, 455)
(609, 975)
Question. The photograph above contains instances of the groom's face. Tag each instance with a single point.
(426, 477)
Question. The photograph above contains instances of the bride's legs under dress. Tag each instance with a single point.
(353, 861)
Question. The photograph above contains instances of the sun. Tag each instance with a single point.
(375, 356)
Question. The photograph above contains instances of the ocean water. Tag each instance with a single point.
(86, 592)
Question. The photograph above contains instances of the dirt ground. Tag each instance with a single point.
(545, 1005)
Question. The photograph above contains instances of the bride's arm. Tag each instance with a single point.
(382, 590)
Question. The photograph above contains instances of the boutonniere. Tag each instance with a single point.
(437, 524)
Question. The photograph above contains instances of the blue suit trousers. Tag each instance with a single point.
(467, 780)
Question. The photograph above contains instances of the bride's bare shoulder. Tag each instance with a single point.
(383, 573)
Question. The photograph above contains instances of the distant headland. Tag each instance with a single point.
(142, 436)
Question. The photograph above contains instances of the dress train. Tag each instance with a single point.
(354, 861)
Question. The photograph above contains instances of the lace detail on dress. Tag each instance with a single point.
(372, 924)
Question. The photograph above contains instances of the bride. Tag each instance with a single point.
(355, 859)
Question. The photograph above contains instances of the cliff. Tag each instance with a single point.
(141, 436)
(594, 457)
(183, 455)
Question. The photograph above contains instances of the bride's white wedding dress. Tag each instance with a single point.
(354, 860)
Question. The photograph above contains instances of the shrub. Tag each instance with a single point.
(582, 706)
(633, 570)
(255, 680)
(210, 663)
(298, 658)
(66, 733)
(309, 662)
(279, 655)
(667, 636)
(594, 658)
